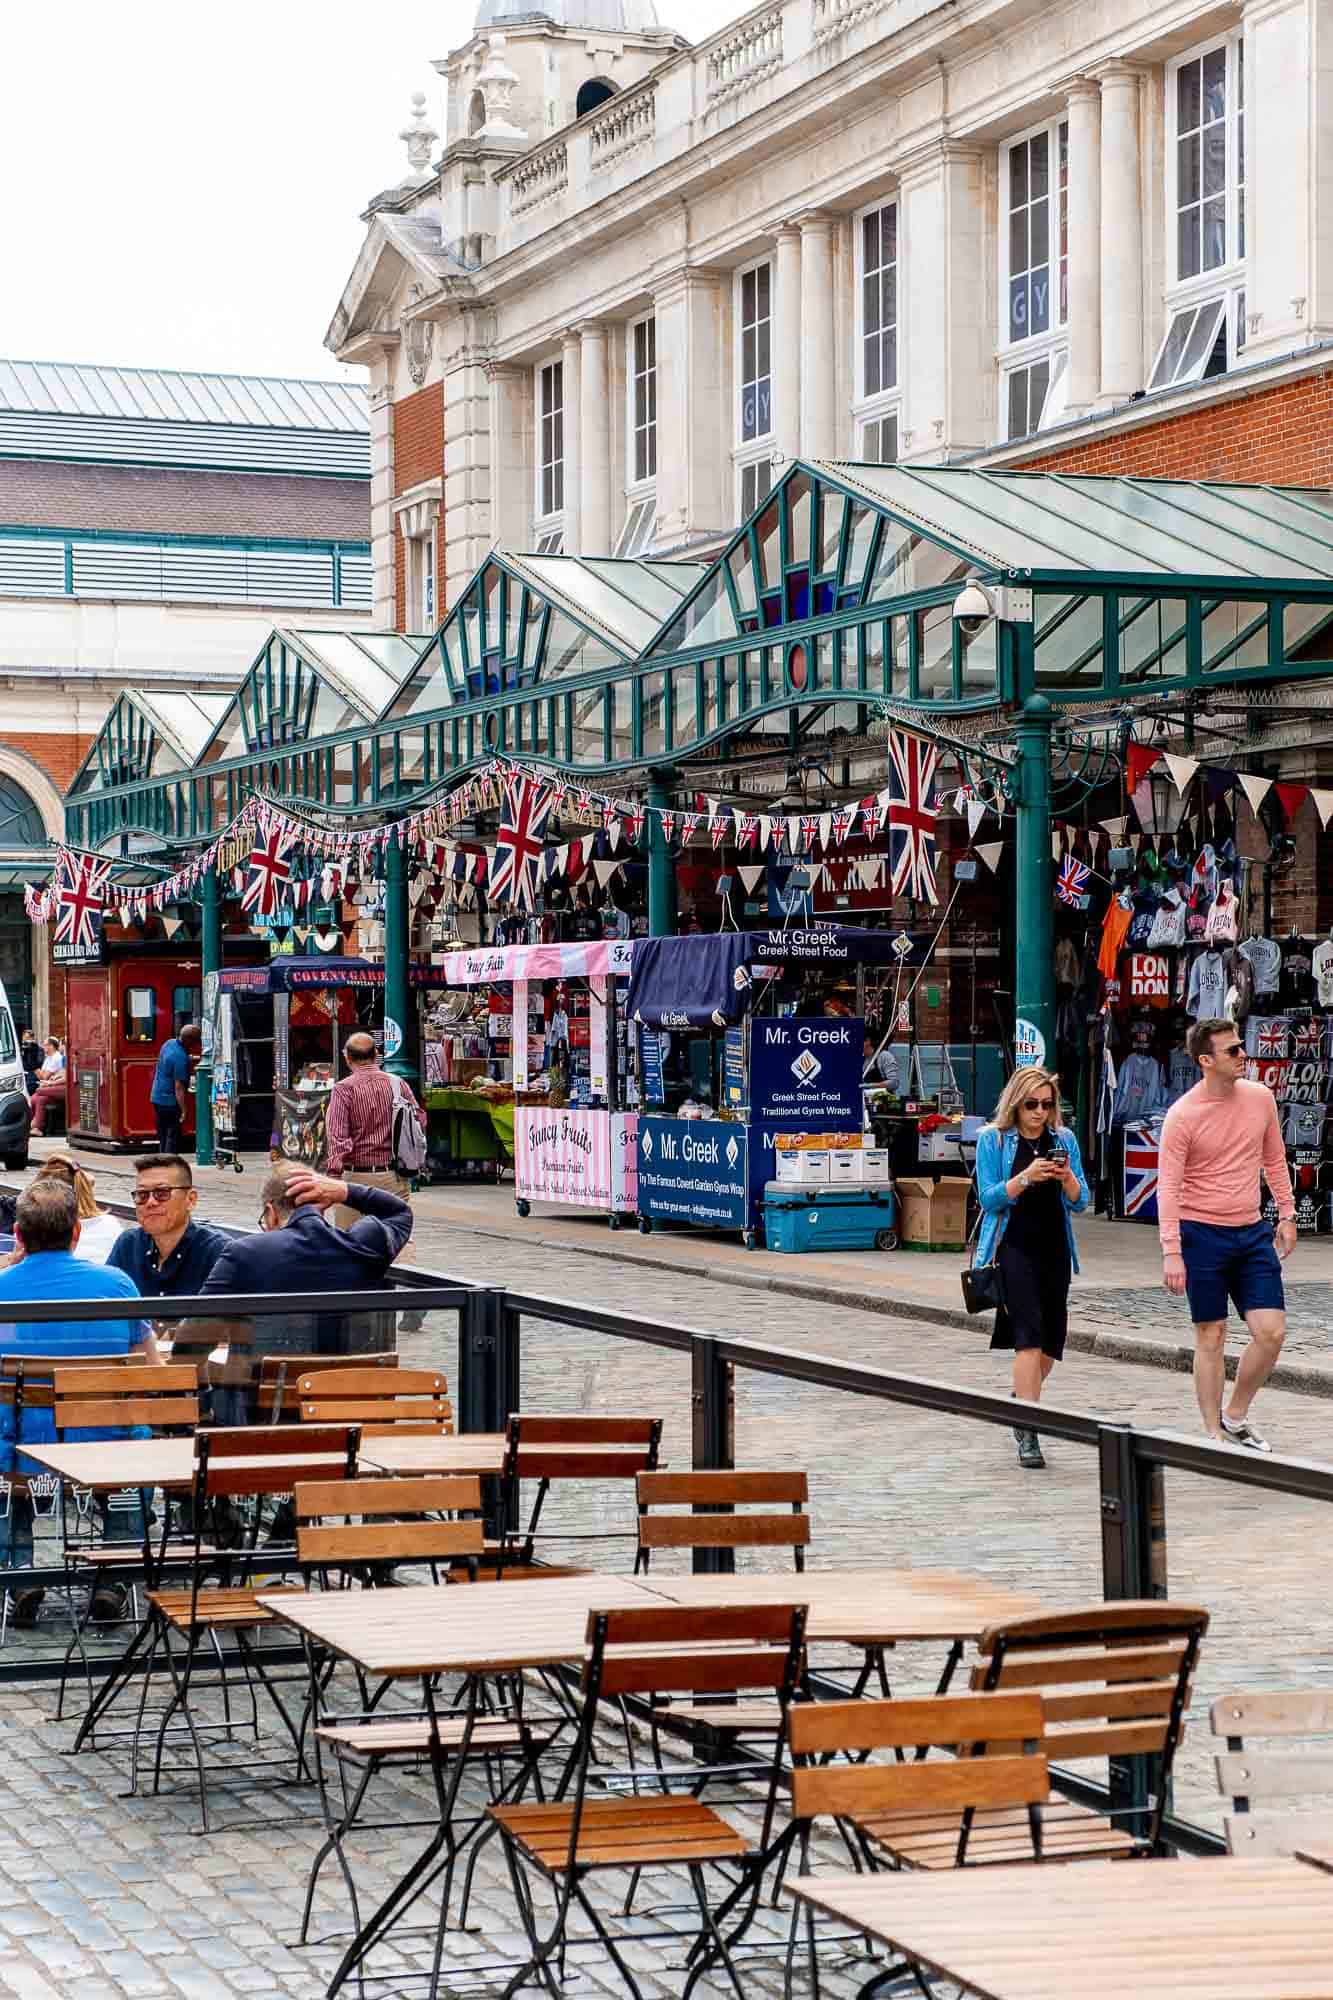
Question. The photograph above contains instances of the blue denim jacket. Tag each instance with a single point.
(995, 1165)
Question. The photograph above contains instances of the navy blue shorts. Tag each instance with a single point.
(1224, 1262)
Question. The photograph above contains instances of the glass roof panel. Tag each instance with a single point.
(1301, 523)
(585, 593)
(1177, 525)
(189, 719)
(397, 652)
(356, 672)
(653, 587)
(431, 685)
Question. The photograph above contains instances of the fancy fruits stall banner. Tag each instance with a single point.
(562, 1154)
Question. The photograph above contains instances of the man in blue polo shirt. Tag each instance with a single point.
(46, 1229)
(170, 1089)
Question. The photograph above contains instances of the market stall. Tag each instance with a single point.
(277, 1037)
(732, 1059)
(553, 1031)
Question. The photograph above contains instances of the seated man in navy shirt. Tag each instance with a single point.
(170, 1254)
(46, 1228)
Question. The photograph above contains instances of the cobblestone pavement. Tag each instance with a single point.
(116, 1898)
(1142, 1310)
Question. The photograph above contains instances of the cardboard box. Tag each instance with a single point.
(844, 1167)
(874, 1166)
(933, 1213)
(802, 1167)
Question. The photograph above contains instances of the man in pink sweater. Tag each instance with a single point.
(1215, 1141)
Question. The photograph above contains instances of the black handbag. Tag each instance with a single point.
(983, 1286)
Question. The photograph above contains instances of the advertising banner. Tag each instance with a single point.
(301, 1116)
(597, 995)
(805, 1075)
(733, 1068)
(624, 1162)
(563, 1155)
(692, 1170)
(520, 1034)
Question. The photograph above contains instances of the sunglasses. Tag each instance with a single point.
(1038, 1103)
(1235, 1049)
(142, 1197)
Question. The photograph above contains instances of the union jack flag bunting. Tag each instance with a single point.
(912, 816)
(871, 814)
(668, 826)
(1140, 1178)
(748, 829)
(270, 871)
(719, 826)
(689, 826)
(524, 811)
(634, 824)
(843, 820)
(809, 831)
(1072, 881)
(80, 901)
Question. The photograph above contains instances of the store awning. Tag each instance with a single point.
(595, 958)
(295, 975)
(694, 982)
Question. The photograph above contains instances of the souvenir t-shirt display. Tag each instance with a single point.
(1208, 986)
(1265, 957)
(1114, 928)
(1182, 1073)
(1321, 964)
(1221, 925)
(1297, 973)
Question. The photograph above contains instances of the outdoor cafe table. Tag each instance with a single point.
(107, 1465)
(1220, 1929)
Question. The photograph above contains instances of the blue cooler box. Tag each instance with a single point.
(829, 1218)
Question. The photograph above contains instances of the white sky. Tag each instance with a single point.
(180, 187)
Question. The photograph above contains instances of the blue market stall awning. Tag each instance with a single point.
(695, 982)
(296, 975)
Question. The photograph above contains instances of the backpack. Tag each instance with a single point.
(408, 1131)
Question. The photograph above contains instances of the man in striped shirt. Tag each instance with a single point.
(359, 1125)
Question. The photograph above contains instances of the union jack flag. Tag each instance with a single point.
(1140, 1177)
(871, 814)
(634, 824)
(809, 831)
(748, 833)
(912, 816)
(80, 901)
(668, 826)
(1072, 881)
(689, 826)
(524, 811)
(843, 820)
(1268, 1035)
(719, 826)
(585, 805)
(270, 871)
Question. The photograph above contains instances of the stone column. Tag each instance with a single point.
(788, 347)
(594, 446)
(467, 461)
(1121, 235)
(381, 493)
(1085, 243)
(694, 416)
(948, 338)
(511, 455)
(818, 346)
(571, 385)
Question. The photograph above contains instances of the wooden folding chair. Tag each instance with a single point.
(983, 1804)
(360, 1529)
(385, 1402)
(1268, 1778)
(557, 1450)
(278, 1397)
(1115, 1679)
(655, 1651)
(233, 1464)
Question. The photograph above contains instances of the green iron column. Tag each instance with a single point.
(210, 964)
(397, 992)
(661, 872)
(1034, 978)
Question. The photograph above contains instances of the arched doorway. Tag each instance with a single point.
(592, 93)
(21, 826)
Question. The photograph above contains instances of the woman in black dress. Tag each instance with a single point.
(1030, 1185)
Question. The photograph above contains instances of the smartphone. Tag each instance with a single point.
(1058, 1157)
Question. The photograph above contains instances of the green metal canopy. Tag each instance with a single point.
(834, 598)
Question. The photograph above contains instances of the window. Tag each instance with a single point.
(879, 441)
(756, 369)
(551, 440)
(638, 529)
(140, 1014)
(1035, 311)
(879, 300)
(643, 400)
(551, 543)
(1038, 270)
(756, 485)
(420, 551)
(1207, 99)
(1201, 341)
(184, 1007)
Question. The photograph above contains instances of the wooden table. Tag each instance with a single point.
(863, 1607)
(481, 1452)
(109, 1464)
(1223, 1929)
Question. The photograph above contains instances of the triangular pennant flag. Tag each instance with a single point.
(976, 812)
(825, 829)
(613, 833)
(1255, 789)
(1113, 828)
(604, 870)
(1323, 805)
(1057, 843)
(795, 833)
(689, 826)
(990, 852)
(750, 878)
(1136, 841)
(764, 822)
(1182, 769)
(1293, 797)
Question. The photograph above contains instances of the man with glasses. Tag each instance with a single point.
(169, 1255)
(1216, 1141)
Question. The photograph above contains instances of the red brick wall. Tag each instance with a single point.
(418, 455)
(58, 755)
(1281, 435)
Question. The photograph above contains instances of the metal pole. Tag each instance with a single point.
(661, 874)
(396, 991)
(1133, 1565)
(713, 1441)
(210, 965)
(1034, 980)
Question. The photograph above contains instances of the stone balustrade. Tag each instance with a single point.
(627, 122)
(743, 58)
(538, 177)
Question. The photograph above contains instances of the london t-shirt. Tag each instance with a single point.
(1208, 986)
(1265, 958)
(1322, 967)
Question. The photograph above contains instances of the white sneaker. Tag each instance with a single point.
(1241, 1431)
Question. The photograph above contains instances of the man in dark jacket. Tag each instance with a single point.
(297, 1250)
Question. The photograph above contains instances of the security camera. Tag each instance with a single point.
(971, 608)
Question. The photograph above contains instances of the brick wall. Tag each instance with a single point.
(157, 500)
(1281, 435)
(59, 755)
(418, 455)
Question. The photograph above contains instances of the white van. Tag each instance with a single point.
(15, 1113)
